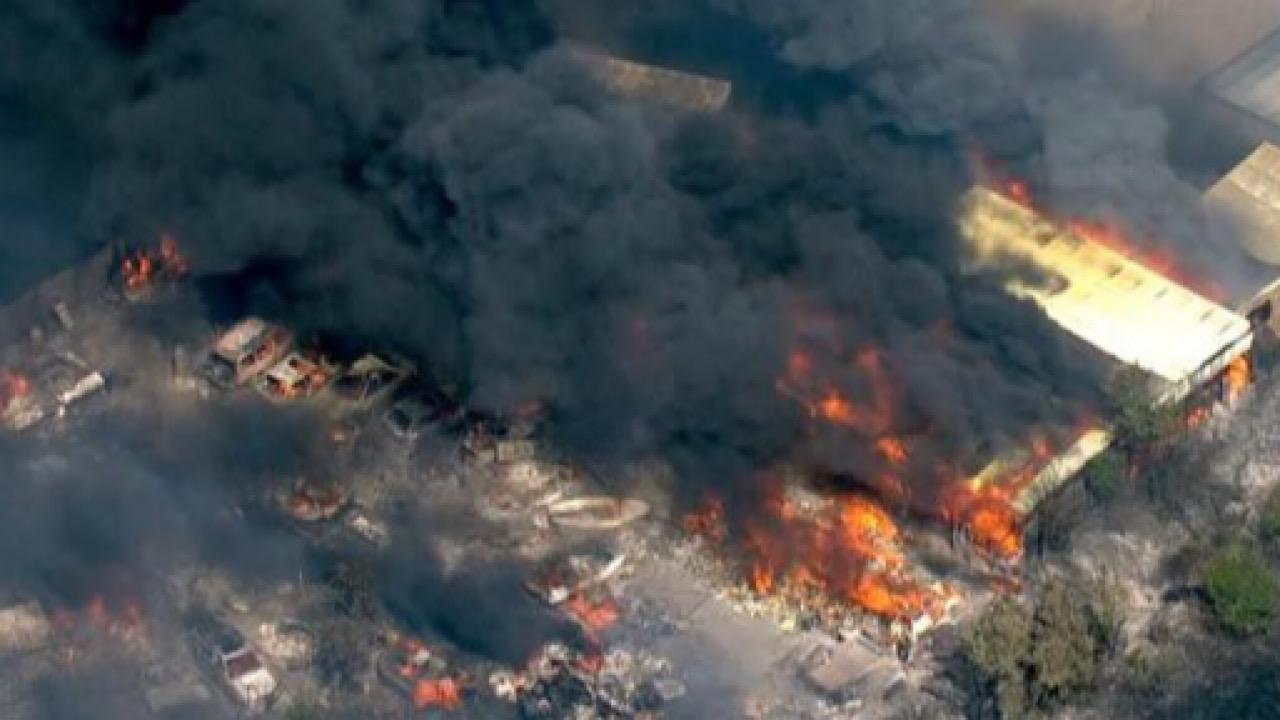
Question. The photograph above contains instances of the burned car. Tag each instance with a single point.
(419, 409)
(323, 511)
(296, 377)
(231, 662)
(243, 352)
(368, 383)
(310, 501)
(421, 674)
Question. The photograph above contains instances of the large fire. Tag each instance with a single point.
(140, 270)
(1109, 233)
(846, 548)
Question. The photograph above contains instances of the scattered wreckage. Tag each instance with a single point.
(420, 674)
(233, 663)
(561, 682)
(246, 350)
(64, 382)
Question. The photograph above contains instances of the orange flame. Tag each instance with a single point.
(1236, 378)
(139, 270)
(445, 694)
(596, 617)
(1113, 236)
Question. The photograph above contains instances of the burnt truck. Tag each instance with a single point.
(244, 352)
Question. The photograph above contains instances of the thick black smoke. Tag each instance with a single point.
(492, 210)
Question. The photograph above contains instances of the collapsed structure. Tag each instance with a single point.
(676, 89)
(1133, 315)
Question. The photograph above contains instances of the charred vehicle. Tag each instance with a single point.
(369, 383)
(296, 377)
(243, 352)
(231, 662)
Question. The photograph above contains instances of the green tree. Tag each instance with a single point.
(1241, 588)
(1142, 428)
(1029, 659)
(998, 646)
(1107, 475)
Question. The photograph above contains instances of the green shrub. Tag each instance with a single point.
(1241, 588)
(1107, 475)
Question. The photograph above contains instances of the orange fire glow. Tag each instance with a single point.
(849, 550)
(445, 694)
(596, 617)
(124, 623)
(141, 269)
(822, 400)
(1236, 378)
(1113, 236)
(13, 385)
(707, 521)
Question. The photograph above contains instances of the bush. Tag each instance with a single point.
(1107, 475)
(1031, 658)
(1142, 428)
(1241, 588)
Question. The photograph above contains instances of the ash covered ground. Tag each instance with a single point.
(442, 182)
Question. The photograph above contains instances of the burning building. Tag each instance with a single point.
(661, 86)
(1092, 286)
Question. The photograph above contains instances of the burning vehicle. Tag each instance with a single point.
(232, 662)
(368, 383)
(295, 377)
(246, 350)
(420, 674)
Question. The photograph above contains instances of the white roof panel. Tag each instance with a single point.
(1110, 301)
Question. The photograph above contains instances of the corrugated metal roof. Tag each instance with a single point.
(674, 88)
(1115, 304)
(1251, 82)
(1248, 198)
